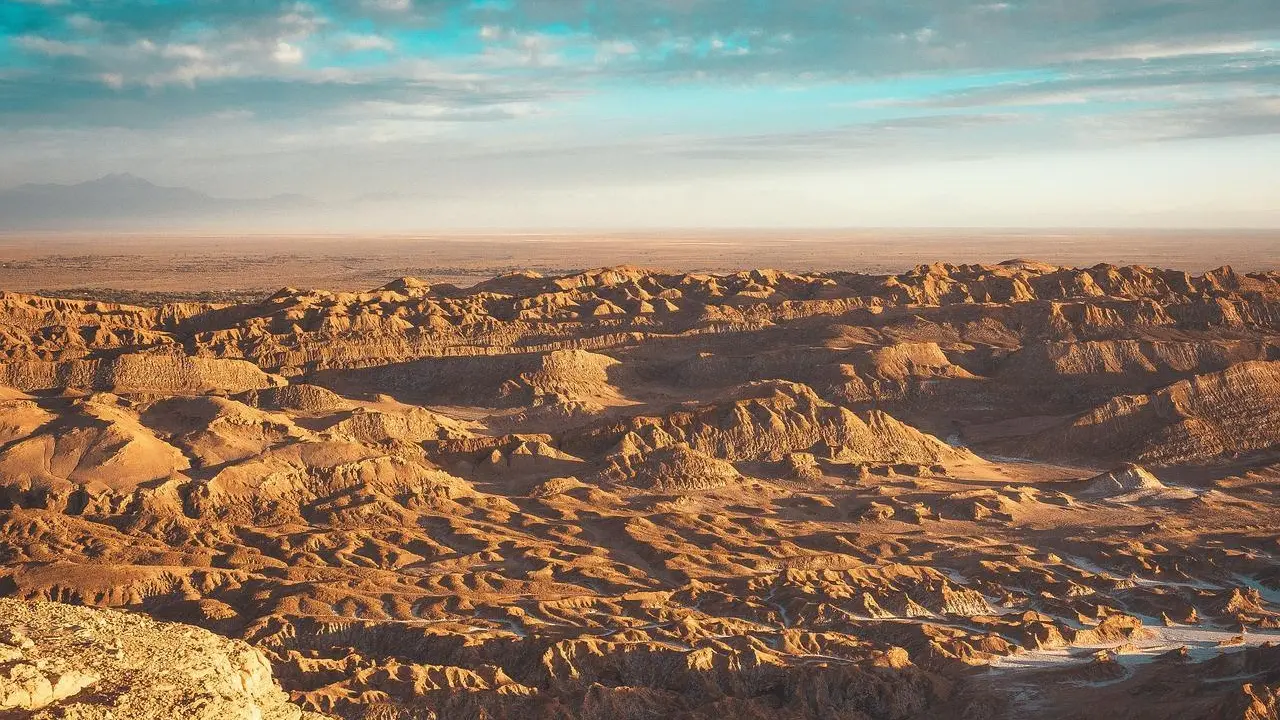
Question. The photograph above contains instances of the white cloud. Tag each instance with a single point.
(52, 48)
(180, 51)
(287, 53)
(300, 21)
(381, 110)
(392, 5)
(357, 43)
(613, 49)
(525, 50)
(83, 23)
(1163, 51)
(190, 74)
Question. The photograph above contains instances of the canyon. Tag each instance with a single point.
(980, 491)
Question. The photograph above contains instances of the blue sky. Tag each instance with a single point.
(528, 114)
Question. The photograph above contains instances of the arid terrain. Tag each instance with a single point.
(984, 491)
(148, 269)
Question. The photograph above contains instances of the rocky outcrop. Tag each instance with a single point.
(1125, 479)
(299, 398)
(675, 468)
(768, 421)
(1126, 358)
(165, 374)
(500, 381)
(1212, 416)
(59, 661)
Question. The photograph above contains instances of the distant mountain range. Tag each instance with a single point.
(125, 200)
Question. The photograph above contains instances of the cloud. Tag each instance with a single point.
(51, 48)
(666, 40)
(287, 53)
(603, 89)
(356, 42)
(865, 37)
(1160, 51)
(903, 138)
(82, 23)
(1235, 118)
(392, 5)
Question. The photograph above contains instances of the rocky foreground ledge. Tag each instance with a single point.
(61, 661)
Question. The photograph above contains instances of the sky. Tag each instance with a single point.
(540, 114)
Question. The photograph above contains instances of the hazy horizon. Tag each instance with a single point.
(417, 115)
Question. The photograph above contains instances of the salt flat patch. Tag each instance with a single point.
(1201, 643)
(1096, 569)
(1271, 596)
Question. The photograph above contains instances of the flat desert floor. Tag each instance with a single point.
(192, 264)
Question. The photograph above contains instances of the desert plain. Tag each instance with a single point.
(879, 476)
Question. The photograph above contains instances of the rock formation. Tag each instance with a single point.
(60, 661)
(631, 493)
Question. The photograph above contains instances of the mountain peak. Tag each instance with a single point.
(124, 178)
(125, 199)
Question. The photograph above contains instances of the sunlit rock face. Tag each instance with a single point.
(76, 662)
